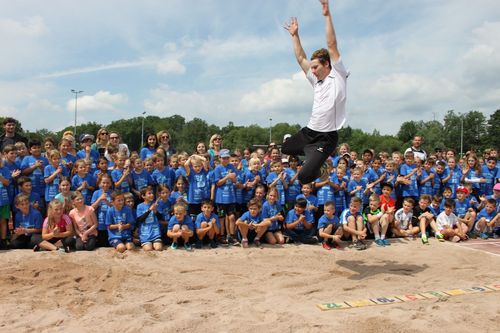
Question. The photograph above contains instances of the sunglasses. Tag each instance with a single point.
(104, 133)
(165, 137)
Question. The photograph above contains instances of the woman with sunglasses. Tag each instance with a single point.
(214, 146)
(163, 138)
(101, 141)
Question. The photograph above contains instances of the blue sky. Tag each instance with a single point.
(224, 61)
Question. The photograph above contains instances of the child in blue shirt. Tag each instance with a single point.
(299, 224)
(408, 177)
(272, 210)
(353, 224)
(28, 223)
(312, 200)
(425, 179)
(150, 146)
(207, 225)
(340, 181)
(148, 221)
(52, 175)
(121, 173)
(120, 223)
(162, 175)
(252, 178)
(279, 179)
(33, 166)
(251, 225)
(486, 220)
(329, 227)
(293, 183)
(140, 178)
(14, 167)
(101, 201)
(357, 187)
(83, 182)
(225, 178)
(181, 227)
(196, 168)
(463, 209)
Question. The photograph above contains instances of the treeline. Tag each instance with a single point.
(478, 133)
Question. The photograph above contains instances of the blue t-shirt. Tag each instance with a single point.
(149, 229)
(312, 200)
(461, 207)
(294, 187)
(224, 194)
(52, 188)
(199, 188)
(269, 211)
(141, 180)
(4, 190)
(490, 175)
(94, 157)
(116, 175)
(123, 216)
(324, 221)
(292, 217)
(147, 152)
(102, 208)
(280, 185)
(33, 220)
(410, 190)
(77, 181)
(200, 218)
(187, 222)
(250, 219)
(454, 181)
(486, 215)
(164, 209)
(345, 215)
(164, 177)
(359, 194)
(250, 177)
(427, 186)
(36, 176)
(325, 192)
(11, 189)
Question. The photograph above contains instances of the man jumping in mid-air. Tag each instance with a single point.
(327, 74)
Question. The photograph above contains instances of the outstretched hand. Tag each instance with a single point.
(326, 9)
(292, 26)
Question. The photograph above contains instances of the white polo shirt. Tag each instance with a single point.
(328, 110)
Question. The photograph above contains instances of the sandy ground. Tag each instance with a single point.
(243, 290)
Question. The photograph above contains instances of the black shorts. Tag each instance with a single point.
(226, 209)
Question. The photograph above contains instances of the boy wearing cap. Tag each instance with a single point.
(86, 153)
(225, 178)
(465, 213)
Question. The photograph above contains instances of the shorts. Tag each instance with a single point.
(194, 209)
(117, 241)
(5, 212)
(158, 240)
(226, 209)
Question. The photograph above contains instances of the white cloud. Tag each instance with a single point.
(99, 102)
(170, 66)
(31, 27)
(278, 94)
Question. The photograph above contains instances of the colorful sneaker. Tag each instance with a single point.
(440, 237)
(326, 246)
(484, 235)
(188, 247)
(386, 242)
(425, 240)
(173, 246)
(379, 242)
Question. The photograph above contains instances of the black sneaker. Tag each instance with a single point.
(360, 245)
(232, 240)
(198, 244)
(213, 244)
(223, 240)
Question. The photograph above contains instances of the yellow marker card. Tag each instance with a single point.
(333, 306)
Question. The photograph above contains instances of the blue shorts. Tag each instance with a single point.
(158, 240)
(117, 241)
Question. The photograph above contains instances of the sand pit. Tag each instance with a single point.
(237, 290)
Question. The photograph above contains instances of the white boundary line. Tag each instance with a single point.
(471, 248)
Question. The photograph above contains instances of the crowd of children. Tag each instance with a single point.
(56, 198)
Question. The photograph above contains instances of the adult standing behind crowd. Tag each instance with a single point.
(101, 141)
(114, 141)
(416, 148)
(10, 137)
(163, 138)
(214, 146)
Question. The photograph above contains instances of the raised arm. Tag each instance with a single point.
(331, 38)
(300, 55)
